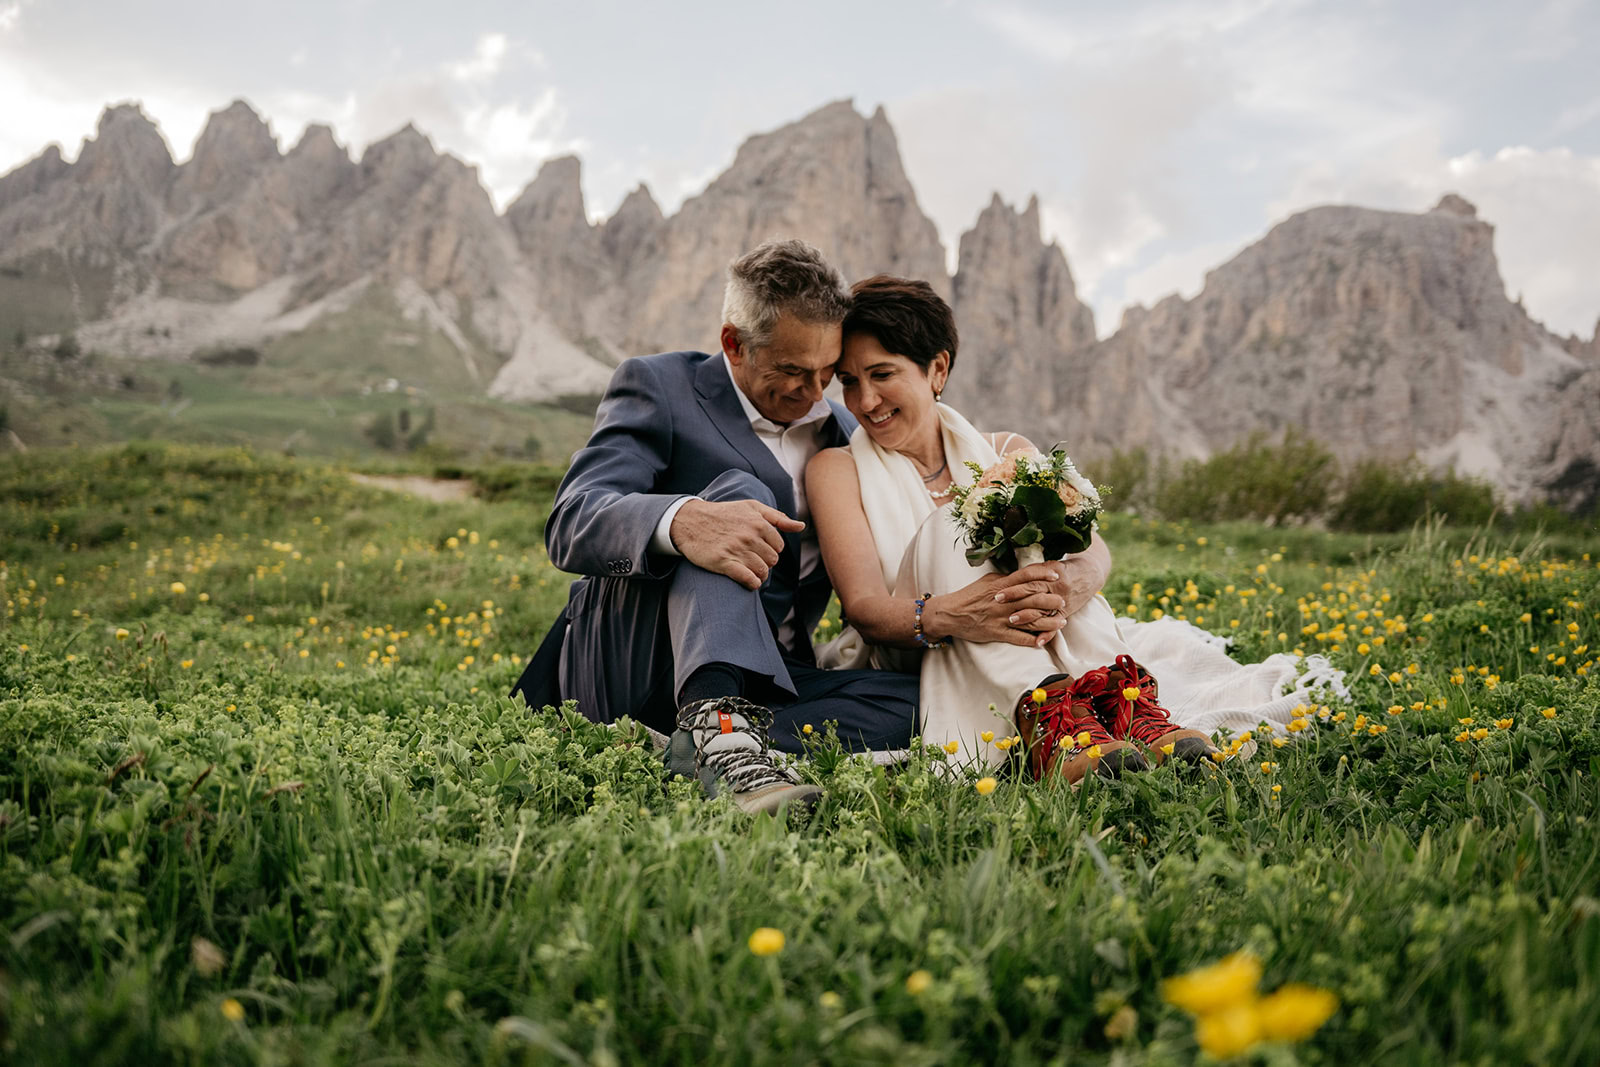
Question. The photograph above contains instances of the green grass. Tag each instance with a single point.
(303, 757)
(313, 393)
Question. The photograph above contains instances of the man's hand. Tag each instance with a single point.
(739, 538)
(1077, 579)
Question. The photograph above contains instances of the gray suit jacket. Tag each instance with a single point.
(668, 425)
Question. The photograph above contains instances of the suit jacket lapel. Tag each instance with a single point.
(717, 399)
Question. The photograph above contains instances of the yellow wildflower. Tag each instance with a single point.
(178, 588)
(952, 747)
(1094, 751)
(766, 941)
(1548, 713)
(232, 1010)
(1228, 1032)
(1480, 733)
(987, 736)
(1295, 1012)
(1130, 692)
(1208, 990)
(917, 982)
(984, 786)
(1504, 724)
(1167, 749)
(1039, 696)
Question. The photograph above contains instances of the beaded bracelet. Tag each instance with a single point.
(916, 628)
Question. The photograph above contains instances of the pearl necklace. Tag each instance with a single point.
(926, 478)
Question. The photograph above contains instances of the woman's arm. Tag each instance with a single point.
(972, 613)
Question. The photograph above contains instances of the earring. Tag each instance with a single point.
(937, 393)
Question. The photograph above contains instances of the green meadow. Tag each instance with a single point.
(365, 385)
(263, 799)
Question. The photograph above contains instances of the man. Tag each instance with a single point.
(686, 511)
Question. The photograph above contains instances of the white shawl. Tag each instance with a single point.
(896, 503)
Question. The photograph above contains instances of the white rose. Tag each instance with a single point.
(1089, 496)
(972, 508)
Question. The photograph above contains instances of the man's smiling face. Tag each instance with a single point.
(785, 379)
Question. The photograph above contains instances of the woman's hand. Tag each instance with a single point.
(1078, 579)
(1018, 609)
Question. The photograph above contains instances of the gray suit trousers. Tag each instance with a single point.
(632, 643)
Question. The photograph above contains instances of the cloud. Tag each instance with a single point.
(1545, 206)
(11, 14)
(485, 62)
(506, 136)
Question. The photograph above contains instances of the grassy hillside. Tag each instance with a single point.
(321, 392)
(262, 800)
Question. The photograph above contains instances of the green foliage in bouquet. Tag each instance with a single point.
(1023, 501)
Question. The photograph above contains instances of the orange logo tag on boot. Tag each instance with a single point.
(725, 721)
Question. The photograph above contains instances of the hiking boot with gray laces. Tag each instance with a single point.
(732, 755)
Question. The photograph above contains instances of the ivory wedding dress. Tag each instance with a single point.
(969, 688)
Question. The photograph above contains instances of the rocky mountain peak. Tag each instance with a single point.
(1014, 301)
(1451, 204)
(318, 140)
(638, 206)
(633, 230)
(405, 155)
(551, 208)
(126, 147)
(832, 178)
(33, 176)
(232, 148)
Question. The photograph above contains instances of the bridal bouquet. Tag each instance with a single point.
(1025, 509)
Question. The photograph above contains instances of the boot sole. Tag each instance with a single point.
(1188, 746)
(774, 799)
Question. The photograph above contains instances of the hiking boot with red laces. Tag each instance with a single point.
(1063, 736)
(1129, 708)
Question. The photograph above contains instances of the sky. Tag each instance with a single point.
(1160, 136)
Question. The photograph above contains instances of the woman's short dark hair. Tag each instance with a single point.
(905, 316)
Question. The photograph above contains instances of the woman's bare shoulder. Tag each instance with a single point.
(831, 471)
(832, 462)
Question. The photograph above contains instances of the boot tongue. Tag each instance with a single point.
(740, 739)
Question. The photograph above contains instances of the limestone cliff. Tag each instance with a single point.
(1378, 333)
(1018, 314)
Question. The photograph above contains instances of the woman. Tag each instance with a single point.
(912, 602)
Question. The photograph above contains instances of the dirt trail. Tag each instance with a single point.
(440, 490)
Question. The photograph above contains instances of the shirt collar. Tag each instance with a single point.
(758, 421)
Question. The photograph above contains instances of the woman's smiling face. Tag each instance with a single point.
(889, 394)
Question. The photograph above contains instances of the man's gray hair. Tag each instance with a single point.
(781, 277)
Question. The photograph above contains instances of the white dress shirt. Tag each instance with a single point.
(792, 445)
